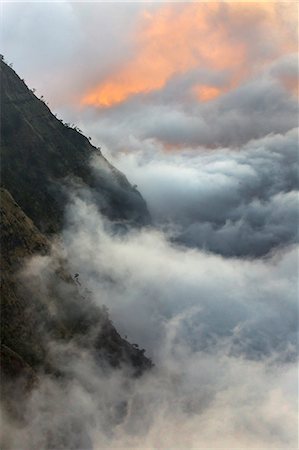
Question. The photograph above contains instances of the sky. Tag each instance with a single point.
(197, 103)
(176, 94)
(203, 74)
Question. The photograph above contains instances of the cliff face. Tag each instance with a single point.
(40, 155)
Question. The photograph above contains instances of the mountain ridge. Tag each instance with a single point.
(36, 171)
(41, 157)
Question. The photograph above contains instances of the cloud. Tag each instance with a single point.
(233, 202)
(286, 70)
(200, 113)
(172, 117)
(202, 35)
(222, 333)
(175, 280)
(105, 54)
(61, 48)
(227, 75)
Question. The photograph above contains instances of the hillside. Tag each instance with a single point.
(51, 308)
(40, 156)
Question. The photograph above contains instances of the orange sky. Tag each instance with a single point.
(173, 39)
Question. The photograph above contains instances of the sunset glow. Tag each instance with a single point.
(206, 93)
(174, 39)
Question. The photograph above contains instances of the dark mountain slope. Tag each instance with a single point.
(40, 155)
(36, 311)
(19, 239)
(43, 310)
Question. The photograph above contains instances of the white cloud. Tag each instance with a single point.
(222, 333)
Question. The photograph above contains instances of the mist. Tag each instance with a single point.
(221, 331)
